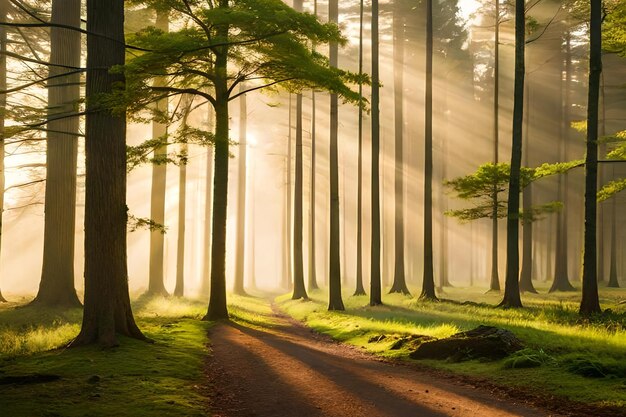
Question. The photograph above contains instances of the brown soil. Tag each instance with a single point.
(288, 370)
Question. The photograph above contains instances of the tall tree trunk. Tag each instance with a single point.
(601, 226)
(217, 300)
(511, 286)
(494, 285)
(4, 6)
(312, 200)
(107, 303)
(299, 288)
(287, 276)
(613, 281)
(156, 285)
(335, 301)
(444, 279)
(590, 302)
(360, 290)
(208, 218)
(375, 283)
(399, 279)
(57, 277)
(179, 290)
(428, 283)
(240, 248)
(526, 274)
(561, 280)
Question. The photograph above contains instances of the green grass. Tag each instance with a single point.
(566, 349)
(134, 379)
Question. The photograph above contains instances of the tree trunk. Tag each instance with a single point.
(360, 290)
(217, 299)
(107, 303)
(312, 263)
(335, 301)
(613, 281)
(428, 283)
(208, 201)
(511, 286)
(495, 280)
(299, 289)
(375, 283)
(179, 290)
(287, 276)
(399, 279)
(601, 226)
(4, 5)
(240, 249)
(57, 277)
(526, 274)
(156, 284)
(444, 279)
(590, 302)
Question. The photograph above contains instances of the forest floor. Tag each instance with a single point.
(268, 364)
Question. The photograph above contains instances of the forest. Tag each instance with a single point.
(312, 208)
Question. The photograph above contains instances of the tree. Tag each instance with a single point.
(260, 43)
(240, 249)
(495, 280)
(375, 283)
(399, 279)
(428, 283)
(208, 204)
(156, 277)
(107, 310)
(511, 286)
(56, 287)
(335, 301)
(312, 256)
(360, 290)
(590, 302)
(4, 12)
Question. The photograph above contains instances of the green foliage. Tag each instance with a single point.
(591, 367)
(138, 223)
(528, 358)
(491, 179)
(614, 28)
(609, 190)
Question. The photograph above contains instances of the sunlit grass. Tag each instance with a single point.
(549, 325)
(135, 379)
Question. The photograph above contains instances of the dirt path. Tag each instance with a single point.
(288, 370)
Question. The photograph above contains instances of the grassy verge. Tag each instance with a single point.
(566, 357)
(135, 379)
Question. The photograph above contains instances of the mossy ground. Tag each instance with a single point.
(134, 379)
(566, 347)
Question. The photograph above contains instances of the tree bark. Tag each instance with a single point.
(299, 289)
(208, 199)
(360, 289)
(4, 6)
(428, 283)
(511, 287)
(179, 289)
(590, 302)
(335, 301)
(287, 276)
(494, 285)
(56, 287)
(375, 279)
(613, 281)
(107, 308)
(156, 285)
(399, 279)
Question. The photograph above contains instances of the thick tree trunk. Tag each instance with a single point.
(240, 248)
(428, 283)
(590, 302)
(511, 287)
(360, 290)
(156, 285)
(3, 104)
(57, 277)
(335, 301)
(375, 282)
(107, 303)
(494, 285)
(399, 279)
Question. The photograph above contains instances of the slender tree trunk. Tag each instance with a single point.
(399, 279)
(208, 218)
(240, 248)
(511, 287)
(613, 281)
(375, 282)
(312, 257)
(335, 301)
(156, 285)
(590, 302)
(179, 290)
(299, 288)
(428, 284)
(57, 277)
(4, 5)
(601, 175)
(360, 289)
(526, 274)
(495, 280)
(217, 300)
(288, 224)
(444, 279)
(107, 303)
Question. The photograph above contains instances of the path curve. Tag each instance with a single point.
(289, 370)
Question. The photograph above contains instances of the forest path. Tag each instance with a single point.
(288, 370)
